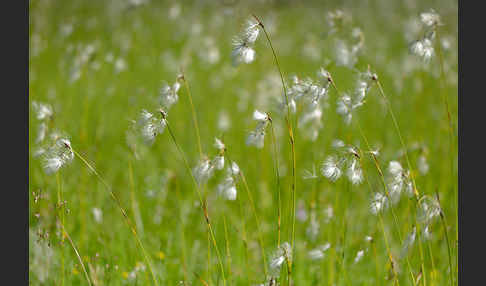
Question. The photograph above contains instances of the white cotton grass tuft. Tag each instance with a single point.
(97, 214)
(429, 209)
(243, 51)
(218, 162)
(318, 253)
(398, 181)
(41, 132)
(408, 242)
(312, 95)
(348, 158)
(359, 256)
(354, 173)
(168, 95)
(283, 253)
(423, 48)
(203, 171)
(330, 168)
(310, 175)
(430, 19)
(378, 203)
(347, 103)
(149, 126)
(219, 144)
(57, 156)
(227, 188)
(257, 136)
(42, 110)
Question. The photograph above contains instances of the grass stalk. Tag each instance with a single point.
(61, 214)
(122, 210)
(71, 242)
(202, 203)
(444, 225)
(194, 117)
(290, 131)
(380, 172)
(277, 174)
(412, 175)
(260, 235)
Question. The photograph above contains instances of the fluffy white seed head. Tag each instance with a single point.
(242, 53)
(260, 116)
(430, 18)
(256, 138)
(354, 173)
(97, 214)
(219, 144)
(319, 252)
(235, 169)
(251, 31)
(57, 156)
(218, 162)
(378, 203)
(395, 168)
(203, 171)
(359, 256)
(149, 126)
(331, 168)
(52, 165)
(168, 94)
(42, 110)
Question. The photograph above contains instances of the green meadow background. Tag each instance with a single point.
(135, 48)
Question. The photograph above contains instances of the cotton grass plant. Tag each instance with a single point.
(190, 128)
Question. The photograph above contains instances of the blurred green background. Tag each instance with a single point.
(99, 63)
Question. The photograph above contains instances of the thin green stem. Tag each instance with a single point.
(228, 252)
(260, 235)
(125, 216)
(61, 212)
(289, 128)
(202, 203)
(194, 117)
(412, 175)
(451, 126)
(444, 225)
(380, 172)
(277, 174)
(66, 234)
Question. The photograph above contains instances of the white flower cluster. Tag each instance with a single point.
(57, 156)
(399, 180)
(242, 45)
(319, 252)
(347, 158)
(43, 113)
(168, 95)
(429, 208)
(346, 104)
(423, 47)
(378, 203)
(149, 126)
(283, 253)
(227, 188)
(204, 170)
(313, 96)
(257, 136)
(55, 151)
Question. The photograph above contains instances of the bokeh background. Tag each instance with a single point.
(99, 63)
